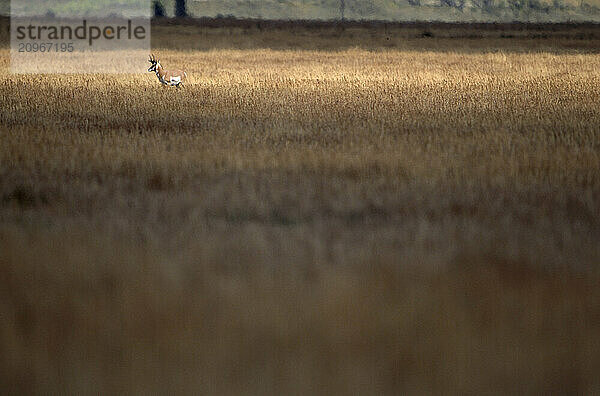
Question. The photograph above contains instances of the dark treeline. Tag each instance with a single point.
(248, 23)
(424, 29)
(518, 8)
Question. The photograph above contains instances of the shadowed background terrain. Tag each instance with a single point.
(374, 209)
(500, 11)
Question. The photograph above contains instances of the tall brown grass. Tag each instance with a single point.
(422, 218)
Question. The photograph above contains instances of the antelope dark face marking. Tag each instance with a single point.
(153, 62)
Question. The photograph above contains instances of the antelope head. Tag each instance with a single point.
(154, 63)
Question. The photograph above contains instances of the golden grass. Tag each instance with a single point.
(359, 220)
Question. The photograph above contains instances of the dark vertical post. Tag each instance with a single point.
(159, 10)
(180, 9)
(342, 8)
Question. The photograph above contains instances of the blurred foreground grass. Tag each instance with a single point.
(422, 218)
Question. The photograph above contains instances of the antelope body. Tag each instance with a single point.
(174, 78)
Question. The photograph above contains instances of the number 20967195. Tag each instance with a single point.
(46, 47)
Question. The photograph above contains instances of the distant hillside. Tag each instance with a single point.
(400, 10)
(77, 7)
(391, 10)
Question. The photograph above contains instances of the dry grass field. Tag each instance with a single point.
(338, 212)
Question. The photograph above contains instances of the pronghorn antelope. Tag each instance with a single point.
(167, 77)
